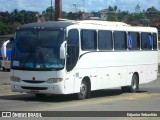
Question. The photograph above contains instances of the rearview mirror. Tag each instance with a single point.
(63, 50)
(4, 49)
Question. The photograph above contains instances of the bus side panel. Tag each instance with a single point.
(115, 69)
(111, 77)
(118, 76)
(149, 73)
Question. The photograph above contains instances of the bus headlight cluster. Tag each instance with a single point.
(54, 80)
(15, 79)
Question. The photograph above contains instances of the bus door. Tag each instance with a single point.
(72, 57)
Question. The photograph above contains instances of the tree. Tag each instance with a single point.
(122, 15)
(71, 16)
(4, 29)
(13, 27)
(5, 17)
(153, 14)
(152, 9)
(96, 14)
(112, 18)
(64, 14)
(110, 8)
(115, 8)
(47, 14)
(30, 17)
(137, 9)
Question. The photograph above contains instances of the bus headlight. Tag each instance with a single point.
(54, 80)
(15, 79)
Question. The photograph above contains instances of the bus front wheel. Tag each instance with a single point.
(84, 90)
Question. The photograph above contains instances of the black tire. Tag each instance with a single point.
(135, 84)
(40, 95)
(3, 69)
(84, 90)
(134, 87)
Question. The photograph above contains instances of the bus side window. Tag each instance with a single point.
(133, 41)
(154, 41)
(146, 41)
(120, 40)
(89, 39)
(72, 49)
(105, 41)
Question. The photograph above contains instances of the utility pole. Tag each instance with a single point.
(75, 10)
(51, 11)
(83, 5)
(58, 9)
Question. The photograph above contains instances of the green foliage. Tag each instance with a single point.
(48, 14)
(4, 28)
(14, 26)
(152, 9)
(71, 16)
(137, 9)
(112, 18)
(10, 21)
(110, 8)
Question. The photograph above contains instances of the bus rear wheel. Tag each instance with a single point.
(134, 87)
(84, 90)
(134, 84)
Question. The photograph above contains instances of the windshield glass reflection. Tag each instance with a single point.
(37, 50)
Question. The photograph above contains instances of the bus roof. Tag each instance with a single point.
(52, 25)
(46, 25)
(64, 24)
(104, 23)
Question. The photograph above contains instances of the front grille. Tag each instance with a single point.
(34, 88)
(33, 81)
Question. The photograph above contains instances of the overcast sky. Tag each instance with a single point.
(87, 5)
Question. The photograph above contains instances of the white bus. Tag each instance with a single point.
(67, 57)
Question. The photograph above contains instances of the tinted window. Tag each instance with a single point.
(146, 40)
(133, 40)
(154, 41)
(73, 38)
(72, 49)
(120, 42)
(105, 40)
(88, 39)
(37, 50)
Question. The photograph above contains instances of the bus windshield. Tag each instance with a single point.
(37, 50)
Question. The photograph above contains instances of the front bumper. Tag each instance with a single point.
(45, 88)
